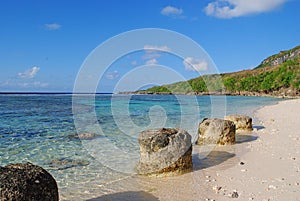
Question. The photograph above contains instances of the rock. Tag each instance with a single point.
(216, 131)
(83, 136)
(165, 151)
(65, 163)
(27, 182)
(242, 122)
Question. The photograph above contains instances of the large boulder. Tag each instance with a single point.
(165, 151)
(242, 122)
(216, 131)
(27, 182)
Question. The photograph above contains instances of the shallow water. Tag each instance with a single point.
(37, 129)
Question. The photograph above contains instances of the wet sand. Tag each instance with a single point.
(262, 165)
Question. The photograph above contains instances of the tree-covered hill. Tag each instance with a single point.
(278, 75)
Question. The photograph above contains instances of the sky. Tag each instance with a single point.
(46, 46)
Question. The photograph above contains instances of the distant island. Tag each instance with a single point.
(277, 75)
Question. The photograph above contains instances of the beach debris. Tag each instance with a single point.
(242, 122)
(233, 194)
(165, 151)
(271, 187)
(242, 163)
(27, 182)
(65, 163)
(243, 170)
(83, 136)
(216, 131)
(217, 189)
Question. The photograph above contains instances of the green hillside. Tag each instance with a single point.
(278, 75)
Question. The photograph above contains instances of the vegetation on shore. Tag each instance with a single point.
(282, 79)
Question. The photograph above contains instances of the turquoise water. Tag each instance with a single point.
(39, 129)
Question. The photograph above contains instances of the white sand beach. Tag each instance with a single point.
(262, 165)
(269, 166)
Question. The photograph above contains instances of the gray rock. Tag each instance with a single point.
(83, 136)
(165, 151)
(27, 182)
(242, 122)
(216, 131)
(65, 163)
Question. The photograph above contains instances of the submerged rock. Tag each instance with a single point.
(27, 182)
(216, 131)
(83, 136)
(242, 122)
(65, 163)
(165, 151)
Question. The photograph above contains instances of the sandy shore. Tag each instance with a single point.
(269, 166)
(262, 165)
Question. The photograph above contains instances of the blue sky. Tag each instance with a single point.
(43, 44)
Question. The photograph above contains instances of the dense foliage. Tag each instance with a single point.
(263, 79)
(286, 75)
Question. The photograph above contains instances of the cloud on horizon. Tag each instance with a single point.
(52, 27)
(32, 85)
(171, 11)
(30, 73)
(236, 8)
(192, 64)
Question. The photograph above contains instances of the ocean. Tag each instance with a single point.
(43, 129)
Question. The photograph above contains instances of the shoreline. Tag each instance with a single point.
(244, 94)
(263, 165)
(270, 167)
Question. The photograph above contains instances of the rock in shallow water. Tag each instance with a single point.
(27, 182)
(216, 131)
(83, 136)
(65, 163)
(165, 151)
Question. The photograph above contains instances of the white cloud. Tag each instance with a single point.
(52, 27)
(152, 51)
(23, 85)
(192, 64)
(30, 73)
(171, 11)
(134, 63)
(40, 84)
(30, 84)
(237, 8)
(152, 62)
(112, 75)
(157, 48)
(151, 55)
